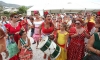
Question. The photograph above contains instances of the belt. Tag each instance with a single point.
(37, 34)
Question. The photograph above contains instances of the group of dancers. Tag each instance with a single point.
(72, 33)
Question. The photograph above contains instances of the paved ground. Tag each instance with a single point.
(38, 55)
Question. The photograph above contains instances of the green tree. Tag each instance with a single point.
(6, 12)
(22, 10)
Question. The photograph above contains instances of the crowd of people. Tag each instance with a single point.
(77, 35)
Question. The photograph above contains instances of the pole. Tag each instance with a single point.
(63, 10)
(85, 14)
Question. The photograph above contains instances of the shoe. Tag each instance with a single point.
(45, 56)
(49, 58)
(33, 42)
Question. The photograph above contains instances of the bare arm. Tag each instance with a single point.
(1, 46)
(2, 34)
(56, 38)
(40, 28)
(29, 43)
(29, 26)
(75, 35)
(66, 38)
(90, 46)
(19, 44)
(87, 35)
(33, 26)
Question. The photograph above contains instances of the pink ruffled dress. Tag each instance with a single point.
(36, 34)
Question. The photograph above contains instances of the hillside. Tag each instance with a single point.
(9, 5)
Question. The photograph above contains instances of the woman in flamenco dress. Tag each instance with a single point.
(14, 28)
(47, 28)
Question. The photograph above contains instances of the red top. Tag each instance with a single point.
(24, 24)
(47, 31)
(90, 25)
(55, 33)
(13, 30)
(72, 25)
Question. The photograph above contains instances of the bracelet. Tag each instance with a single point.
(98, 51)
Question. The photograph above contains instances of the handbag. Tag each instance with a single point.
(12, 47)
(91, 57)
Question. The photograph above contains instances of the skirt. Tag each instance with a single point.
(63, 54)
(14, 58)
(76, 50)
(25, 54)
(36, 37)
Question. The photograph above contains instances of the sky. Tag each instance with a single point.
(41, 2)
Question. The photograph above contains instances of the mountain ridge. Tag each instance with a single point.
(10, 5)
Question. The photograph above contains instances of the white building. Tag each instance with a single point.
(11, 9)
(65, 7)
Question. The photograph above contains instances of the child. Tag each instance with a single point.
(61, 40)
(24, 46)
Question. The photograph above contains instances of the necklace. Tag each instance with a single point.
(47, 26)
(14, 25)
(79, 31)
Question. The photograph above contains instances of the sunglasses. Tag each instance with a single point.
(15, 16)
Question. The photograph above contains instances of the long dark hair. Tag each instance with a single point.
(21, 32)
(51, 24)
(45, 15)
